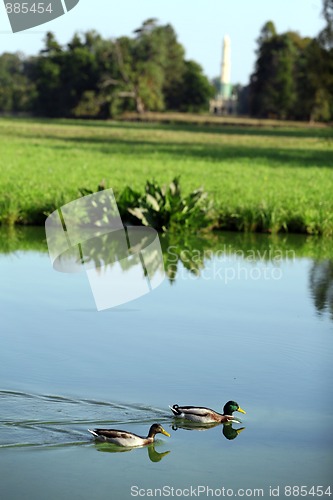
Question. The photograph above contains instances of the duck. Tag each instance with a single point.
(204, 415)
(125, 438)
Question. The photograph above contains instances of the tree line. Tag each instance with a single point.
(293, 77)
(95, 77)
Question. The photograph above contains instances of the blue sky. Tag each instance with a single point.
(199, 24)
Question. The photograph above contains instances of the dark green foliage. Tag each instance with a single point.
(128, 198)
(268, 32)
(99, 78)
(243, 99)
(141, 68)
(162, 207)
(272, 85)
(153, 75)
(94, 77)
(16, 90)
(293, 75)
(63, 76)
(314, 81)
(190, 250)
(196, 90)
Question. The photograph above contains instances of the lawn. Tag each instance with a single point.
(264, 178)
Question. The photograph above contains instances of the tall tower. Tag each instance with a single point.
(226, 69)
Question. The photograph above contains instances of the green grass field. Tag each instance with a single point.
(260, 178)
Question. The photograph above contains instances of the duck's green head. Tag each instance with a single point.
(156, 429)
(230, 407)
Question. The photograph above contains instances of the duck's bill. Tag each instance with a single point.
(241, 410)
(163, 431)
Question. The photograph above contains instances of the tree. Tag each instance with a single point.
(293, 76)
(90, 76)
(51, 45)
(196, 89)
(312, 80)
(16, 90)
(273, 91)
(150, 68)
(325, 40)
(173, 67)
(267, 32)
(64, 74)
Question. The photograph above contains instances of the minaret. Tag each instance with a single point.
(225, 69)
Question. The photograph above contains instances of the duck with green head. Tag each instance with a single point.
(204, 415)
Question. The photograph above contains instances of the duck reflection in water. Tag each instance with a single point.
(228, 431)
(154, 456)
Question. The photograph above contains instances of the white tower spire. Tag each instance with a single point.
(226, 60)
(226, 68)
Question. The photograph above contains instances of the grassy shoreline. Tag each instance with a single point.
(175, 118)
(260, 178)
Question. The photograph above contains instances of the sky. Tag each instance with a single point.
(200, 26)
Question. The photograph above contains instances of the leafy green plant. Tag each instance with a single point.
(162, 207)
(165, 208)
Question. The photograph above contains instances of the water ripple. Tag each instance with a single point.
(39, 420)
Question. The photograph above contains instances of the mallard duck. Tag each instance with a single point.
(125, 438)
(206, 415)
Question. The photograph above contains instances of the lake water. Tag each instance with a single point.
(252, 322)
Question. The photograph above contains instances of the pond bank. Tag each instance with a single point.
(260, 179)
